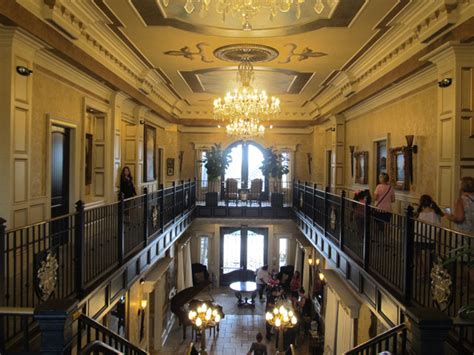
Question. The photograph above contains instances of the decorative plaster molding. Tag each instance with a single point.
(216, 130)
(414, 83)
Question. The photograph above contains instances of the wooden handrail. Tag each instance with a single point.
(100, 346)
(377, 339)
(16, 311)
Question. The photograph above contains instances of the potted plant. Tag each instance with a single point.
(274, 166)
(216, 162)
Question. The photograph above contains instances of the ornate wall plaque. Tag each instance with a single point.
(333, 218)
(154, 216)
(47, 275)
(441, 285)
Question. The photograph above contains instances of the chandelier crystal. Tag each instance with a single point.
(247, 9)
(246, 109)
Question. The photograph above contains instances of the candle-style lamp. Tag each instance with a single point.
(352, 150)
(282, 317)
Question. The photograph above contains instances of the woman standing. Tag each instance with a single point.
(126, 183)
(463, 215)
(384, 194)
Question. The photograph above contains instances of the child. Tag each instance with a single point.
(258, 348)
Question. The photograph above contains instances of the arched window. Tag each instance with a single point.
(247, 158)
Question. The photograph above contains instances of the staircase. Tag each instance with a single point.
(392, 341)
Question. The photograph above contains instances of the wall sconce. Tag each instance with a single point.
(142, 122)
(321, 277)
(142, 281)
(310, 261)
(444, 83)
(413, 148)
(410, 150)
(318, 261)
(141, 314)
(352, 149)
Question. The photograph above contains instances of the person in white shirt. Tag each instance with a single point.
(262, 280)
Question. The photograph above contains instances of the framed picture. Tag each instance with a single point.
(170, 166)
(361, 168)
(149, 166)
(88, 160)
(399, 169)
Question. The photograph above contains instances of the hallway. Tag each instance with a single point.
(237, 330)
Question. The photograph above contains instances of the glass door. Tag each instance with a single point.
(243, 251)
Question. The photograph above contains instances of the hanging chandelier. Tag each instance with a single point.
(247, 9)
(246, 109)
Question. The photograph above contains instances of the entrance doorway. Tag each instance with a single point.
(243, 251)
(60, 167)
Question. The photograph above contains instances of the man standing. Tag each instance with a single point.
(262, 280)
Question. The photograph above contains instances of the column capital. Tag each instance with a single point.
(450, 52)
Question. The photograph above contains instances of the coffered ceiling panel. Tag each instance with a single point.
(300, 54)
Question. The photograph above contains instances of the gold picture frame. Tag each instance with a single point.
(399, 168)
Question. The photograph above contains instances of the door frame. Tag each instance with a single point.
(74, 158)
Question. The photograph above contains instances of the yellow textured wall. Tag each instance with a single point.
(303, 142)
(414, 114)
(54, 97)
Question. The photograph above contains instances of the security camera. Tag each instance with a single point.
(444, 83)
(24, 71)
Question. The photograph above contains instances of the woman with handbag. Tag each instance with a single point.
(384, 196)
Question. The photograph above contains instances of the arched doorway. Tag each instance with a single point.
(247, 158)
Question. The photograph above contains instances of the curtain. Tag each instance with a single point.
(345, 331)
(188, 271)
(306, 267)
(180, 281)
(330, 322)
(298, 257)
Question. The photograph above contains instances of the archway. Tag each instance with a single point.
(247, 158)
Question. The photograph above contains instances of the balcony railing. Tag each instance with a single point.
(87, 244)
(397, 250)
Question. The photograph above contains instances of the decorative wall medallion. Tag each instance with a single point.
(154, 216)
(303, 55)
(186, 53)
(47, 275)
(301, 200)
(441, 285)
(254, 53)
(333, 218)
(186, 199)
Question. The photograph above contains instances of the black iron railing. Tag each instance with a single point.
(87, 244)
(399, 251)
(16, 330)
(393, 341)
(90, 333)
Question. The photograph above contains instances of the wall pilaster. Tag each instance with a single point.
(455, 118)
(337, 156)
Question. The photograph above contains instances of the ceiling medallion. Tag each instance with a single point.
(244, 111)
(245, 10)
(251, 52)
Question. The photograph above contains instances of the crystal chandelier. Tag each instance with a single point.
(244, 110)
(246, 9)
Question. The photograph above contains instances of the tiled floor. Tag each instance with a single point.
(237, 330)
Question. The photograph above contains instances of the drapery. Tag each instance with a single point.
(330, 320)
(345, 331)
(188, 271)
(298, 258)
(180, 285)
(306, 271)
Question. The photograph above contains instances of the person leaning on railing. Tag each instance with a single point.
(463, 214)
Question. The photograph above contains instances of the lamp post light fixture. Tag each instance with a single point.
(202, 317)
(282, 317)
(141, 314)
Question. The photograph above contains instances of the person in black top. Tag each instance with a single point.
(126, 183)
(258, 348)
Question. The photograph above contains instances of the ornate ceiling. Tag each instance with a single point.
(300, 56)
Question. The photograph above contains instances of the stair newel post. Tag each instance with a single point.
(145, 216)
(161, 200)
(174, 201)
(408, 246)
(326, 208)
(315, 187)
(341, 217)
(79, 226)
(121, 229)
(367, 212)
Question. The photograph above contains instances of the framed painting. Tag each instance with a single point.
(361, 168)
(399, 173)
(149, 166)
(88, 160)
(170, 166)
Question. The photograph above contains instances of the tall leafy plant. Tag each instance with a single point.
(274, 165)
(216, 162)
